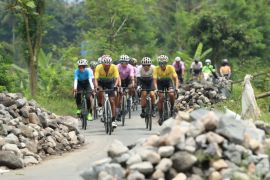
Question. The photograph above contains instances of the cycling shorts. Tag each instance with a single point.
(107, 84)
(147, 83)
(164, 84)
(196, 72)
(125, 82)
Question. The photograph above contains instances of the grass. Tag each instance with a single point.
(234, 102)
(57, 105)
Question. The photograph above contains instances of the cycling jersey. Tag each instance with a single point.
(112, 73)
(125, 72)
(208, 69)
(168, 73)
(85, 76)
(179, 67)
(225, 70)
(195, 66)
(142, 73)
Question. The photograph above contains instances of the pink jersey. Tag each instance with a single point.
(125, 72)
(179, 66)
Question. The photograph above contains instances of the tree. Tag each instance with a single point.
(32, 12)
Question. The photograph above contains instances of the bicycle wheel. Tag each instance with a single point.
(123, 110)
(95, 105)
(109, 117)
(105, 121)
(149, 115)
(129, 102)
(84, 114)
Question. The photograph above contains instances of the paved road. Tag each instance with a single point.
(71, 164)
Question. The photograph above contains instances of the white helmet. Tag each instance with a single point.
(82, 62)
(124, 58)
(146, 61)
(100, 60)
(177, 58)
(107, 60)
(208, 61)
(225, 61)
(162, 58)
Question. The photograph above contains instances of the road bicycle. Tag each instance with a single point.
(148, 109)
(166, 106)
(125, 108)
(84, 110)
(107, 111)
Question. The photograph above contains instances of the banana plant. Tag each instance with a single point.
(199, 54)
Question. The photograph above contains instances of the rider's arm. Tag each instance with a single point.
(175, 79)
(91, 77)
(183, 69)
(75, 84)
(155, 78)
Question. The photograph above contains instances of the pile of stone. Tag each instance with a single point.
(198, 95)
(200, 145)
(29, 133)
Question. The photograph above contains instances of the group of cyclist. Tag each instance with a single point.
(126, 74)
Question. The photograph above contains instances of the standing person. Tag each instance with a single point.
(83, 80)
(225, 69)
(145, 75)
(196, 69)
(93, 65)
(126, 72)
(164, 76)
(179, 67)
(106, 77)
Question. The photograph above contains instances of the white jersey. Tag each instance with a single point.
(142, 73)
(195, 66)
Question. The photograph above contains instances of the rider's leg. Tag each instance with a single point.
(172, 99)
(160, 104)
(100, 97)
(143, 103)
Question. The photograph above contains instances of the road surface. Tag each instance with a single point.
(69, 165)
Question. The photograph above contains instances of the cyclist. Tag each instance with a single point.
(126, 72)
(106, 77)
(93, 65)
(179, 67)
(225, 69)
(133, 62)
(196, 69)
(164, 76)
(145, 75)
(83, 80)
(208, 70)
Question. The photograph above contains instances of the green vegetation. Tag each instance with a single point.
(41, 40)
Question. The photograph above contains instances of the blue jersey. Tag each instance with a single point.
(85, 75)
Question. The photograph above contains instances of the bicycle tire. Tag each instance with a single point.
(84, 112)
(129, 107)
(147, 109)
(109, 117)
(105, 119)
(95, 105)
(123, 110)
(150, 115)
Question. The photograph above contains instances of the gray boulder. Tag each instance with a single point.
(12, 139)
(117, 148)
(143, 167)
(183, 161)
(10, 160)
(20, 102)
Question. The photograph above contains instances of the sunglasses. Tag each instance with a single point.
(162, 63)
(146, 65)
(123, 62)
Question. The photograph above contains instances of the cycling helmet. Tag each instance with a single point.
(82, 62)
(100, 60)
(162, 58)
(124, 58)
(107, 60)
(146, 61)
(93, 64)
(225, 60)
(208, 61)
(177, 59)
(133, 61)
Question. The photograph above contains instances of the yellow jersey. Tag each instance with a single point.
(225, 70)
(112, 73)
(168, 73)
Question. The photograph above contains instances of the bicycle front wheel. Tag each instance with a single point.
(84, 113)
(123, 110)
(109, 117)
